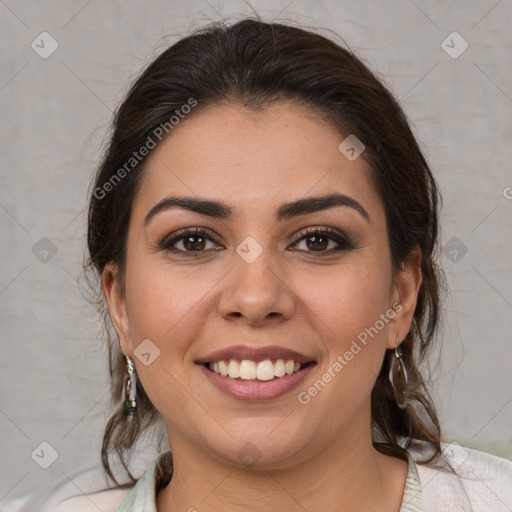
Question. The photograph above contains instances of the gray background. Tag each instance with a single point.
(55, 114)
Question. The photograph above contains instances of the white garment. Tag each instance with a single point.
(483, 484)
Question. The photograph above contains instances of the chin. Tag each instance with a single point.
(260, 448)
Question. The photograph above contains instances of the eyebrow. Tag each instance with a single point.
(221, 210)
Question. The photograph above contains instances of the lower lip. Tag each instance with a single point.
(254, 390)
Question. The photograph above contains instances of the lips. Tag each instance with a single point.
(260, 374)
(256, 354)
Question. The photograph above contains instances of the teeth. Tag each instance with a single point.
(279, 368)
(249, 370)
(233, 369)
(223, 367)
(265, 370)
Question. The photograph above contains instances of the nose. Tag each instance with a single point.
(256, 294)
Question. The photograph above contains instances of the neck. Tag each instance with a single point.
(349, 475)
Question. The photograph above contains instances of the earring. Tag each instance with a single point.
(398, 375)
(130, 388)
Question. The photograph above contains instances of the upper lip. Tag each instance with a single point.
(256, 354)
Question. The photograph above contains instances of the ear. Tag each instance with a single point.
(404, 292)
(112, 284)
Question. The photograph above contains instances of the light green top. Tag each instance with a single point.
(142, 497)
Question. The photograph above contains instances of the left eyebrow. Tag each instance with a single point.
(221, 210)
(315, 204)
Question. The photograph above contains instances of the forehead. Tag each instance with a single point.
(254, 160)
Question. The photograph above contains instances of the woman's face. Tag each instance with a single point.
(255, 283)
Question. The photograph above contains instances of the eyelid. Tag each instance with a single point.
(342, 240)
(337, 236)
(168, 240)
(323, 230)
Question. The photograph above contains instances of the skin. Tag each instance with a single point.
(313, 457)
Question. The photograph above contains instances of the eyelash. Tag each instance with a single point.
(167, 243)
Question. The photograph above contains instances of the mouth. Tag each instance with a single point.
(255, 374)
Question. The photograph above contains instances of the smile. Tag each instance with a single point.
(255, 373)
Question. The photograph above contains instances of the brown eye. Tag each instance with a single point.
(317, 242)
(323, 241)
(189, 241)
(194, 243)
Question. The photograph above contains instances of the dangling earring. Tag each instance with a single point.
(398, 375)
(130, 388)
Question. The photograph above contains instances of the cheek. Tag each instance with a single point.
(158, 301)
(348, 307)
(169, 305)
(347, 299)
(163, 306)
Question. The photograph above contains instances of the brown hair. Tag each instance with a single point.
(259, 63)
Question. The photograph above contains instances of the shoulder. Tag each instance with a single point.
(481, 482)
(85, 491)
(88, 491)
(106, 501)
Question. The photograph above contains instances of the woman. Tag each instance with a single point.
(264, 225)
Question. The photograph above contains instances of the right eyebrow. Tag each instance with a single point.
(216, 209)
